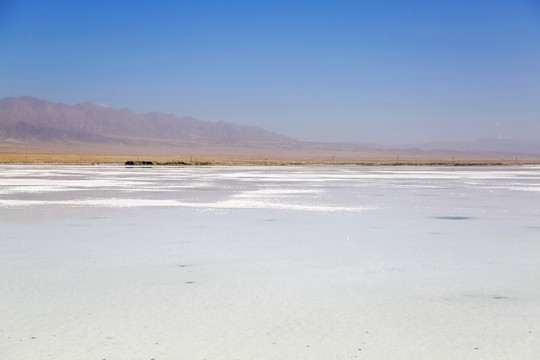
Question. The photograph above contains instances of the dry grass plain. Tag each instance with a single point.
(246, 153)
(93, 159)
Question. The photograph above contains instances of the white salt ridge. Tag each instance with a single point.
(227, 204)
(78, 183)
(519, 188)
(275, 193)
(33, 189)
(254, 204)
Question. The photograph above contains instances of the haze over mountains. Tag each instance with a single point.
(28, 118)
(490, 145)
(30, 123)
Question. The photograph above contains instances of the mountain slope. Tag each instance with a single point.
(492, 145)
(26, 118)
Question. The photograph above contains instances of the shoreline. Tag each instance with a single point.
(94, 160)
(332, 163)
(228, 160)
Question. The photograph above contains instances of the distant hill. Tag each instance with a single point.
(33, 126)
(490, 145)
(27, 118)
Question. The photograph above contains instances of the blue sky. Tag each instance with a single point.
(391, 72)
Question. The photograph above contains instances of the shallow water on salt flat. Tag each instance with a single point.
(113, 262)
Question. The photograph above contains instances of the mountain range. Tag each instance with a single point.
(31, 125)
(27, 118)
(490, 145)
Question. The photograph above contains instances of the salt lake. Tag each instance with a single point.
(250, 262)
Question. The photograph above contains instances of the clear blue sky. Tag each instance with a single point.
(391, 72)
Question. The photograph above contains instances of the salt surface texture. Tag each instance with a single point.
(269, 263)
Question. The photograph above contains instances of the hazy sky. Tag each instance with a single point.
(391, 72)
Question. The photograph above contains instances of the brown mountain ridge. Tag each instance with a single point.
(27, 118)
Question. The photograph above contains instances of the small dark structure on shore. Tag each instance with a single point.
(132, 163)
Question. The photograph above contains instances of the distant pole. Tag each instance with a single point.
(397, 158)
(452, 159)
(516, 160)
(332, 157)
